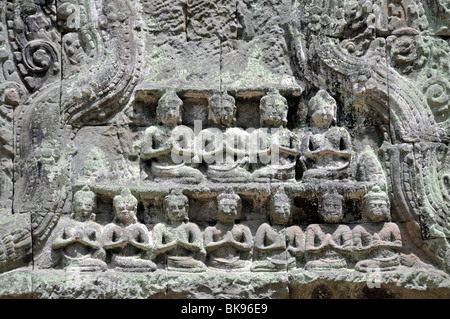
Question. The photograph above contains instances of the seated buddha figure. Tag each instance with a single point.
(78, 237)
(377, 241)
(223, 146)
(273, 147)
(127, 240)
(326, 245)
(228, 245)
(326, 149)
(277, 246)
(168, 146)
(178, 240)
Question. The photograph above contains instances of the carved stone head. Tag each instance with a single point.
(84, 203)
(280, 207)
(376, 206)
(125, 207)
(176, 207)
(330, 207)
(169, 109)
(322, 109)
(222, 109)
(229, 206)
(273, 109)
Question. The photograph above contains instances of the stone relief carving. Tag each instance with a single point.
(187, 137)
(277, 246)
(228, 245)
(327, 149)
(78, 238)
(224, 147)
(127, 240)
(382, 238)
(180, 241)
(163, 142)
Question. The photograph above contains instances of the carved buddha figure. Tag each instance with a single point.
(78, 238)
(326, 245)
(275, 148)
(170, 146)
(224, 151)
(379, 240)
(228, 245)
(326, 149)
(179, 240)
(126, 239)
(276, 245)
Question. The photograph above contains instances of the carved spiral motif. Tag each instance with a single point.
(68, 15)
(438, 96)
(41, 56)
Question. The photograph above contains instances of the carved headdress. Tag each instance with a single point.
(280, 196)
(229, 195)
(125, 197)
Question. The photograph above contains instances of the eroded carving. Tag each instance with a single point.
(226, 150)
(228, 245)
(380, 240)
(165, 142)
(277, 246)
(178, 240)
(276, 146)
(326, 148)
(327, 245)
(127, 240)
(78, 238)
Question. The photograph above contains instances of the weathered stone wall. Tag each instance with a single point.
(198, 149)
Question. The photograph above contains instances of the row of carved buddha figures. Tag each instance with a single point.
(269, 153)
(81, 244)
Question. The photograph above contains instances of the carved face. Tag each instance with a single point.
(83, 207)
(224, 114)
(169, 112)
(125, 212)
(280, 213)
(376, 210)
(323, 115)
(176, 208)
(273, 111)
(331, 209)
(73, 49)
(227, 210)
